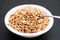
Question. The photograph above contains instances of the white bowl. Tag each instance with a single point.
(27, 34)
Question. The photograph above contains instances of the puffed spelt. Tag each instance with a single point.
(28, 20)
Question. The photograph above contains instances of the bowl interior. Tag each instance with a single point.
(27, 34)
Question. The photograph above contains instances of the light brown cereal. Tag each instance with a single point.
(28, 20)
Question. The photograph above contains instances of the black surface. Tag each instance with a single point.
(52, 5)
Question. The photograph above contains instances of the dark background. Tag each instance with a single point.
(52, 5)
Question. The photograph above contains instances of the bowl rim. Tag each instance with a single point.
(28, 34)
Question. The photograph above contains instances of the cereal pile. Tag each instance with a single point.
(28, 20)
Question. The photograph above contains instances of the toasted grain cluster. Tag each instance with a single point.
(28, 20)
